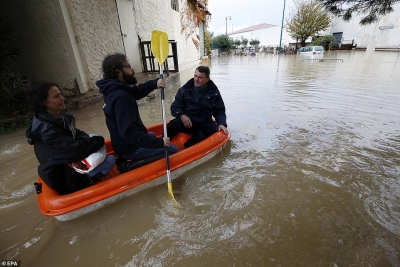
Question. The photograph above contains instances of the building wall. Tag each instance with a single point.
(158, 15)
(37, 31)
(96, 27)
(153, 15)
(371, 36)
(98, 31)
(186, 33)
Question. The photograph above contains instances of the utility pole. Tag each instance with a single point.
(226, 19)
(283, 16)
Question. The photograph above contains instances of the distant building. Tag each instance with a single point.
(267, 34)
(382, 35)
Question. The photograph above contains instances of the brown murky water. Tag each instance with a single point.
(310, 178)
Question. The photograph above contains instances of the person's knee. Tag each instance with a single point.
(110, 160)
(173, 123)
(104, 167)
(172, 149)
(108, 164)
(173, 127)
(209, 130)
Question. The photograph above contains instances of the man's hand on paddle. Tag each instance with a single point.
(167, 141)
(161, 84)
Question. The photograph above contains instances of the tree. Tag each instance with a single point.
(309, 19)
(244, 41)
(326, 41)
(237, 42)
(254, 42)
(221, 41)
(207, 41)
(372, 8)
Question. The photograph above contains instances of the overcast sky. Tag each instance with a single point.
(245, 13)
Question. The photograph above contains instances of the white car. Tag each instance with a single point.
(311, 50)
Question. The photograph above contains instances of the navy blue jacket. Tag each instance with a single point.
(57, 143)
(187, 103)
(127, 131)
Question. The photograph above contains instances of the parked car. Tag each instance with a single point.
(311, 50)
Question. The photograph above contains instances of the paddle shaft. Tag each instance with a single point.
(165, 125)
(160, 50)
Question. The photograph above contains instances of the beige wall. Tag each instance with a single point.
(97, 28)
(189, 55)
(370, 36)
(45, 30)
(158, 15)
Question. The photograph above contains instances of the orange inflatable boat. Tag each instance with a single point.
(117, 186)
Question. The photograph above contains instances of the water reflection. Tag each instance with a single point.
(310, 177)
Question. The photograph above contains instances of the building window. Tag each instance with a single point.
(174, 5)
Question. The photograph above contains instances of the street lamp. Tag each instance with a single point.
(283, 16)
(226, 19)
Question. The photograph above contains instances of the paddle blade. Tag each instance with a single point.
(170, 191)
(159, 46)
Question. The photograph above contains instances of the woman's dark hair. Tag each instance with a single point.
(111, 63)
(204, 69)
(36, 93)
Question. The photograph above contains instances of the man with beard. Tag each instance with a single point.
(129, 137)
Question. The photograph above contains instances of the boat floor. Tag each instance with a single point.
(178, 141)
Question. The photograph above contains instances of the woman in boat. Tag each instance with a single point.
(58, 144)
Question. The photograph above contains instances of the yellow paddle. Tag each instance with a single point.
(160, 48)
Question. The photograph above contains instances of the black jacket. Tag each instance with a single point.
(126, 128)
(57, 143)
(187, 103)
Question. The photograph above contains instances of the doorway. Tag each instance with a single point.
(129, 34)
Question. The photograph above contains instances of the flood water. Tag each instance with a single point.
(309, 178)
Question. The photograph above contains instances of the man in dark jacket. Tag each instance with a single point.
(195, 105)
(129, 136)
